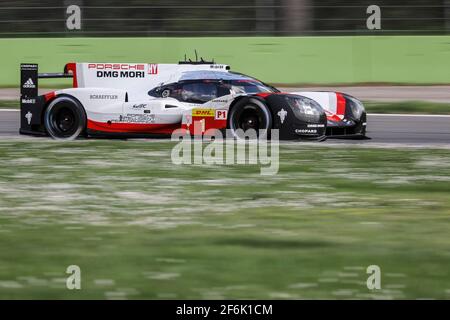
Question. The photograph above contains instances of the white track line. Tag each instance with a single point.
(9, 109)
(408, 115)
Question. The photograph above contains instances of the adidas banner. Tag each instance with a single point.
(28, 80)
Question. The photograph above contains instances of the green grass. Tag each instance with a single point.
(9, 104)
(415, 107)
(286, 60)
(141, 227)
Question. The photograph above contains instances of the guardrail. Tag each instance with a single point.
(261, 17)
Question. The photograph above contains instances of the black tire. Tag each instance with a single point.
(250, 113)
(65, 118)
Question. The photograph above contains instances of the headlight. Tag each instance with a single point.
(305, 108)
(357, 107)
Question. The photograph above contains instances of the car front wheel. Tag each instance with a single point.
(249, 117)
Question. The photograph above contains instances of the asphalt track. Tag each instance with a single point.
(382, 129)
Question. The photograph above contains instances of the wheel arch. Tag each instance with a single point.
(240, 98)
(52, 96)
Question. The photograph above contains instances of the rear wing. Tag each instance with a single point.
(31, 104)
(29, 79)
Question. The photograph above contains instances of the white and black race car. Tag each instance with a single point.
(145, 100)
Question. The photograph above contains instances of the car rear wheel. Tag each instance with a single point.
(248, 115)
(65, 118)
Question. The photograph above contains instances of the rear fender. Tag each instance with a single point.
(99, 104)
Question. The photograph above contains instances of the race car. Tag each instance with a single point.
(153, 100)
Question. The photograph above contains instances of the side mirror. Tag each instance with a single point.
(165, 93)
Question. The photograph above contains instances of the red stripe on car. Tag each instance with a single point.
(49, 96)
(73, 68)
(133, 127)
(340, 109)
(332, 117)
(266, 94)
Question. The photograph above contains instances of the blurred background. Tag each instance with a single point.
(223, 17)
(283, 42)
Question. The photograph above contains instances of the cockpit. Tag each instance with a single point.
(203, 86)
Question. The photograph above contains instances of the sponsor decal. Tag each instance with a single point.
(218, 100)
(120, 74)
(152, 68)
(306, 131)
(136, 118)
(118, 70)
(221, 115)
(103, 96)
(139, 106)
(28, 101)
(29, 116)
(316, 125)
(203, 113)
(217, 66)
(29, 84)
(282, 114)
(116, 66)
(28, 66)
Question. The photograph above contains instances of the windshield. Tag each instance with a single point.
(205, 89)
(238, 82)
(249, 86)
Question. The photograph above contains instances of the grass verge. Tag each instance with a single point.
(314, 60)
(9, 104)
(140, 227)
(410, 107)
